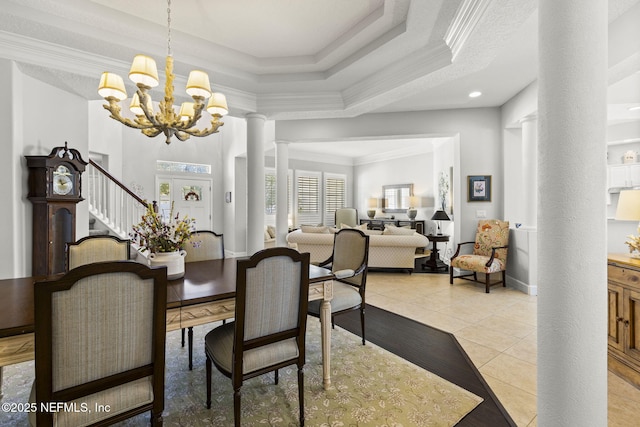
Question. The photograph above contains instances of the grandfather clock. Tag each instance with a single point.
(54, 189)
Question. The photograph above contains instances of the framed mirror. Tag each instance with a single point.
(395, 198)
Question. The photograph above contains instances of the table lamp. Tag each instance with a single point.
(440, 216)
(412, 211)
(629, 210)
(373, 204)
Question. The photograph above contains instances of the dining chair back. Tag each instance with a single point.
(97, 248)
(100, 343)
(270, 322)
(204, 245)
(347, 216)
(349, 264)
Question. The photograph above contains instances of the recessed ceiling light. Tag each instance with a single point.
(475, 94)
(637, 107)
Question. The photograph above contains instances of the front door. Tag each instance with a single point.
(190, 196)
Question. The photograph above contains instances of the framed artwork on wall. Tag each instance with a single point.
(479, 188)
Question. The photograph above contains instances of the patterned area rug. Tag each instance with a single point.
(371, 387)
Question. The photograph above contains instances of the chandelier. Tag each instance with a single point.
(144, 74)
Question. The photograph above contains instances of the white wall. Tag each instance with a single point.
(42, 117)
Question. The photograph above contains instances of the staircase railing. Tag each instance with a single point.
(110, 201)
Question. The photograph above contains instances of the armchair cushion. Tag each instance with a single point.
(478, 263)
(255, 359)
(344, 297)
(341, 274)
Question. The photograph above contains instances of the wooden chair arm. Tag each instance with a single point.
(493, 254)
(459, 246)
(326, 262)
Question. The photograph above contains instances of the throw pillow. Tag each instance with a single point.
(266, 235)
(314, 229)
(271, 230)
(358, 227)
(398, 231)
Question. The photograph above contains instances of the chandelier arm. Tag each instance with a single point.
(145, 101)
(114, 109)
(215, 124)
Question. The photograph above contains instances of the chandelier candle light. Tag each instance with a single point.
(144, 74)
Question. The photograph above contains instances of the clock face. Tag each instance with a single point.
(62, 181)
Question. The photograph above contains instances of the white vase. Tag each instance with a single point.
(173, 260)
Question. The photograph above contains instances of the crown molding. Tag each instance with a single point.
(464, 23)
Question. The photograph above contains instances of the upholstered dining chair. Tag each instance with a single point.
(97, 248)
(349, 264)
(204, 245)
(201, 246)
(347, 216)
(100, 343)
(268, 333)
(489, 254)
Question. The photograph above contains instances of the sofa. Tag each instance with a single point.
(391, 248)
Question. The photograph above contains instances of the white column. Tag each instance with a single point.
(282, 169)
(530, 170)
(572, 287)
(255, 182)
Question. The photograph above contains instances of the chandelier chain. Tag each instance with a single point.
(169, 27)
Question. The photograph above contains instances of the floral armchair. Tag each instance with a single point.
(489, 253)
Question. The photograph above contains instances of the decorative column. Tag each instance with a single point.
(530, 170)
(255, 182)
(282, 169)
(572, 288)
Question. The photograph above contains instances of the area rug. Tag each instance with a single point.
(371, 387)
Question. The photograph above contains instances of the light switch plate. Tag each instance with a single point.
(481, 214)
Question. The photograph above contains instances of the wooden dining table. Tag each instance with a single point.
(205, 294)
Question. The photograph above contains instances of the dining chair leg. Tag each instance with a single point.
(236, 407)
(301, 394)
(183, 337)
(504, 278)
(190, 334)
(362, 323)
(276, 382)
(486, 278)
(208, 370)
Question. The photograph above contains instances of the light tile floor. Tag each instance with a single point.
(498, 332)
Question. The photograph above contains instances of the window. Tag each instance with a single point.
(335, 196)
(270, 194)
(308, 197)
(167, 166)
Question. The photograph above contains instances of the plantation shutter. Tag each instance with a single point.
(308, 198)
(334, 197)
(270, 193)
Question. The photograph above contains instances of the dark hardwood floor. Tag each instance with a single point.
(434, 350)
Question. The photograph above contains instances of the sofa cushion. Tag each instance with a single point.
(314, 229)
(401, 231)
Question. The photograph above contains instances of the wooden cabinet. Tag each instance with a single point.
(624, 317)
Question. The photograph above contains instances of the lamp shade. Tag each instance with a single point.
(440, 216)
(628, 205)
(144, 71)
(372, 203)
(217, 104)
(112, 85)
(187, 111)
(198, 84)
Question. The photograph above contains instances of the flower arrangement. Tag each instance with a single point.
(155, 235)
(634, 243)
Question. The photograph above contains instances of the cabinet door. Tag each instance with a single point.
(615, 324)
(632, 323)
(633, 175)
(617, 176)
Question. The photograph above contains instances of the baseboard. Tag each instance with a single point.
(522, 286)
